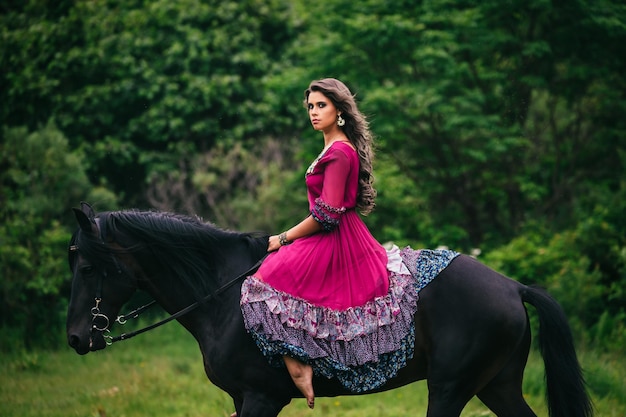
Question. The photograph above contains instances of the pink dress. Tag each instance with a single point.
(342, 266)
(330, 299)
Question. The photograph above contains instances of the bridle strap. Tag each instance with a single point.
(126, 336)
(123, 318)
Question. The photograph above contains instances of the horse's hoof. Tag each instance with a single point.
(310, 403)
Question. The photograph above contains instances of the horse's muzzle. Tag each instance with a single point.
(85, 345)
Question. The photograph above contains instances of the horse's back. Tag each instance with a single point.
(469, 300)
(469, 323)
(470, 320)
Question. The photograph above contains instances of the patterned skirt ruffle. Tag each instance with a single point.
(363, 346)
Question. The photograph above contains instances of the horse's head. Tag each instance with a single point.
(100, 284)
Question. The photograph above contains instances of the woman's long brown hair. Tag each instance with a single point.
(357, 130)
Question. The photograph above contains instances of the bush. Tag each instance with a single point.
(42, 179)
(560, 264)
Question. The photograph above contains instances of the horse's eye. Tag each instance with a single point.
(86, 270)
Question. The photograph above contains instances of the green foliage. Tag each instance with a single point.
(556, 264)
(25, 362)
(402, 213)
(136, 83)
(609, 333)
(488, 110)
(583, 268)
(602, 236)
(40, 180)
(243, 189)
(500, 129)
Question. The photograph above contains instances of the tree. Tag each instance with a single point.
(494, 120)
(41, 178)
(496, 114)
(139, 84)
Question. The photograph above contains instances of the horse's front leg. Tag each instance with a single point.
(257, 389)
(238, 404)
(260, 405)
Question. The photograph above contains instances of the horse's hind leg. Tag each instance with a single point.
(446, 400)
(505, 399)
(503, 394)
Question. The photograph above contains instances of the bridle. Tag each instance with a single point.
(100, 322)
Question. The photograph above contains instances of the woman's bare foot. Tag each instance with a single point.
(302, 376)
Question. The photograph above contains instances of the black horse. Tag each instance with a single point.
(472, 334)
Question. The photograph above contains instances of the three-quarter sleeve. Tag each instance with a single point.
(329, 206)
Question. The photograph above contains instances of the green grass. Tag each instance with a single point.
(160, 374)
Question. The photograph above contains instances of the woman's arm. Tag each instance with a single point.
(328, 208)
(306, 227)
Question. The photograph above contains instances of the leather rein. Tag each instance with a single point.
(100, 322)
(135, 313)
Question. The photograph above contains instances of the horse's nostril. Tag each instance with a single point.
(74, 341)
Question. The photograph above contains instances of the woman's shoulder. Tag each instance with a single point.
(344, 144)
(340, 152)
(341, 148)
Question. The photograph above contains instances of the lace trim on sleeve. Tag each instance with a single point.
(327, 215)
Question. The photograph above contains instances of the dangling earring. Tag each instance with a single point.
(340, 121)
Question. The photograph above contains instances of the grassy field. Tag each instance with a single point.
(160, 374)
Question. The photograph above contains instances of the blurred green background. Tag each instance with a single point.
(500, 133)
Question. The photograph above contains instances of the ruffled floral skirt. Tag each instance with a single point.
(363, 346)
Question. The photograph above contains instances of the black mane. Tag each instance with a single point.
(186, 247)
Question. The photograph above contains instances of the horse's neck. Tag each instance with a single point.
(240, 254)
(208, 322)
(244, 253)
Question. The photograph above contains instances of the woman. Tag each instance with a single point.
(321, 301)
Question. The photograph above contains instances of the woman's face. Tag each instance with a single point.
(322, 112)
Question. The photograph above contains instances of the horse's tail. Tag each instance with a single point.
(566, 392)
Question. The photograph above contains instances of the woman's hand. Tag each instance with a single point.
(306, 227)
(274, 243)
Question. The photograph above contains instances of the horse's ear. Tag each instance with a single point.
(86, 208)
(85, 218)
